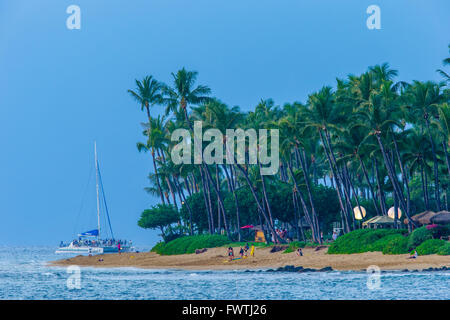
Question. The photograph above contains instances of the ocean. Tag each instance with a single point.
(24, 274)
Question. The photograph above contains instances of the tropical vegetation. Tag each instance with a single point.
(370, 141)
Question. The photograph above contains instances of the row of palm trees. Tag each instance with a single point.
(371, 138)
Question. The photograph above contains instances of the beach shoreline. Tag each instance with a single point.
(216, 259)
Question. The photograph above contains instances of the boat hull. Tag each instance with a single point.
(92, 250)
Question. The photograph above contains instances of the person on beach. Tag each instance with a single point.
(241, 253)
(299, 252)
(230, 253)
(335, 235)
(118, 246)
(414, 256)
(252, 251)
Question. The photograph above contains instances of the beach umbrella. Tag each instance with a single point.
(391, 213)
(426, 218)
(249, 226)
(359, 214)
(442, 217)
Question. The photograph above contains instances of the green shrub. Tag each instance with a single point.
(418, 236)
(363, 240)
(444, 250)
(157, 247)
(395, 245)
(381, 243)
(189, 244)
(430, 246)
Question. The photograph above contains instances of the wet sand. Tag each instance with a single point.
(216, 259)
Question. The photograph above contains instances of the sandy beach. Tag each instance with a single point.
(215, 259)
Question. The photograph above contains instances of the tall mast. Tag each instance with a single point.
(96, 185)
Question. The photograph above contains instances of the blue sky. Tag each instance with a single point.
(62, 89)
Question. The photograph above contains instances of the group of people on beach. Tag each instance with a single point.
(98, 243)
(243, 252)
(281, 233)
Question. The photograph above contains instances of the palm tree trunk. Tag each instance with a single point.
(380, 190)
(236, 202)
(269, 211)
(436, 168)
(406, 184)
(157, 176)
(391, 174)
(311, 201)
(208, 194)
(446, 157)
(305, 208)
(298, 218)
(207, 204)
(169, 184)
(219, 220)
(183, 200)
(219, 198)
(425, 187)
(345, 225)
(366, 176)
(260, 208)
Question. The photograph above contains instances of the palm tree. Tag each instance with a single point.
(445, 62)
(148, 94)
(218, 115)
(416, 152)
(177, 99)
(184, 92)
(443, 124)
(424, 97)
(323, 115)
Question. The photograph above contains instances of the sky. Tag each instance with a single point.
(61, 89)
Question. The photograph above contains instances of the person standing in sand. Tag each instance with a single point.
(230, 253)
(252, 251)
(118, 246)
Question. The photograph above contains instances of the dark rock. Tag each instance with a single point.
(298, 269)
(405, 270)
(289, 268)
(326, 269)
(278, 248)
(270, 270)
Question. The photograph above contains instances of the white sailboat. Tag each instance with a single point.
(90, 242)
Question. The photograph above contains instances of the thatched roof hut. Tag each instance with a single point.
(382, 221)
(442, 217)
(416, 217)
(426, 218)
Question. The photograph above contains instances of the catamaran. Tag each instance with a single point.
(90, 242)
